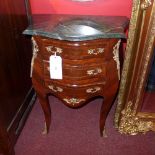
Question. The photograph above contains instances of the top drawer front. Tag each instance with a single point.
(75, 50)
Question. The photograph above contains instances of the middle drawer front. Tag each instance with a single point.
(79, 72)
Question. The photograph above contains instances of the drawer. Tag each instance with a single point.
(75, 50)
(79, 71)
(74, 82)
(75, 91)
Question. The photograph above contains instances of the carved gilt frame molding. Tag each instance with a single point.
(140, 42)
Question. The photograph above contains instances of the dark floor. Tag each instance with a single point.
(76, 132)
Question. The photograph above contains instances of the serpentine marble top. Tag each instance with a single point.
(78, 27)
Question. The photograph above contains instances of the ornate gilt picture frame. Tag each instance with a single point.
(129, 119)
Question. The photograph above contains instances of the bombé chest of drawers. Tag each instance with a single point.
(89, 49)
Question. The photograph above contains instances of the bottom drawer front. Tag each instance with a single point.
(74, 90)
(75, 96)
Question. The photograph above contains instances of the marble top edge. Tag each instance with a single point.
(78, 28)
(112, 35)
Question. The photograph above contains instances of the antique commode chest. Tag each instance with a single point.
(87, 64)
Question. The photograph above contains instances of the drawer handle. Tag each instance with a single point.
(94, 71)
(53, 49)
(73, 100)
(96, 51)
(55, 89)
(93, 90)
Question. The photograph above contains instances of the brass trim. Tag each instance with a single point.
(35, 50)
(93, 90)
(73, 101)
(53, 49)
(94, 71)
(55, 88)
(45, 130)
(96, 51)
(116, 57)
